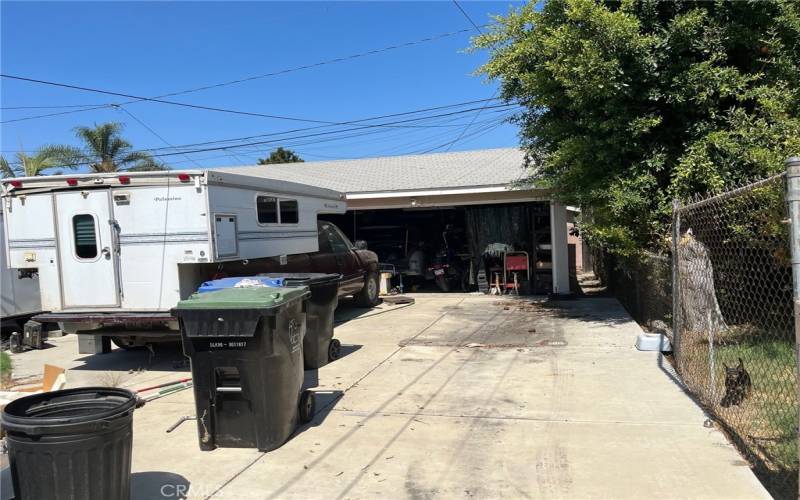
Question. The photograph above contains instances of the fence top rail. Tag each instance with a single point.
(728, 194)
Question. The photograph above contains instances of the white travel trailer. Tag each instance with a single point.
(20, 291)
(118, 250)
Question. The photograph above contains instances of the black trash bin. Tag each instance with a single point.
(319, 346)
(74, 443)
(245, 349)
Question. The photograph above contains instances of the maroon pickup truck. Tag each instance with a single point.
(337, 255)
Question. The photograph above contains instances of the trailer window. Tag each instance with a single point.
(85, 233)
(267, 207)
(289, 213)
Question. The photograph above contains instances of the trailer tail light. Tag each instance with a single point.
(124, 179)
(184, 177)
(72, 182)
(16, 184)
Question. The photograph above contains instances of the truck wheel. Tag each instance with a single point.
(126, 343)
(307, 407)
(368, 296)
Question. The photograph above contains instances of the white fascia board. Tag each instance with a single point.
(429, 192)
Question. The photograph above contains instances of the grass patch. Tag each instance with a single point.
(5, 368)
(766, 421)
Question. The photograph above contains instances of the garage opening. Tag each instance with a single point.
(459, 248)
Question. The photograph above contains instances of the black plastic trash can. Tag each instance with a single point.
(74, 443)
(319, 346)
(245, 349)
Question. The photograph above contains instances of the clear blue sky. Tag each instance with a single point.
(151, 48)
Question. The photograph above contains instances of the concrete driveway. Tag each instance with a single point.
(456, 396)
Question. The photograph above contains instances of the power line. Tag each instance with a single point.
(349, 122)
(162, 101)
(175, 103)
(357, 121)
(462, 135)
(469, 125)
(367, 129)
(467, 16)
(59, 106)
(143, 124)
(256, 143)
(250, 78)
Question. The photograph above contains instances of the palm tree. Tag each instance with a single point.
(104, 150)
(28, 165)
(6, 170)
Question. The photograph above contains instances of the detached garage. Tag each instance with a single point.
(467, 210)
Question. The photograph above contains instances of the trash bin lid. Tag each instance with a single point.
(301, 279)
(244, 298)
(222, 283)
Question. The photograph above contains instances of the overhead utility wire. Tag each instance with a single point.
(361, 130)
(56, 106)
(317, 127)
(174, 103)
(468, 18)
(162, 101)
(232, 146)
(464, 131)
(349, 122)
(256, 77)
(143, 124)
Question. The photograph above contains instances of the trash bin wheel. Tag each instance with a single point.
(307, 406)
(334, 350)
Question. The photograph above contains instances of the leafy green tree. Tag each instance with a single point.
(628, 104)
(104, 150)
(28, 165)
(281, 155)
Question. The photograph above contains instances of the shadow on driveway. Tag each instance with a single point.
(158, 484)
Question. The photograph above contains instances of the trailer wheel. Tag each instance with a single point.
(307, 407)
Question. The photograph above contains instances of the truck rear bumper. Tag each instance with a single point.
(110, 318)
(138, 323)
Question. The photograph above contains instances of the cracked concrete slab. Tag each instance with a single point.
(464, 395)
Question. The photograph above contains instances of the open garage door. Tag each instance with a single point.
(417, 240)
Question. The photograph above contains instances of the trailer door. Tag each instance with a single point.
(87, 253)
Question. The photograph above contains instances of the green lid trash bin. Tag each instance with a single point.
(245, 350)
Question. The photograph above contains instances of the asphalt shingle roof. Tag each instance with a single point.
(463, 169)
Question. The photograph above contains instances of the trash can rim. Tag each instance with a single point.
(19, 423)
(201, 301)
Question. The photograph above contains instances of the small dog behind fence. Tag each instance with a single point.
(737, 384)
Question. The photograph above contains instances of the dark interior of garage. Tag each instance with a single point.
(479, 246)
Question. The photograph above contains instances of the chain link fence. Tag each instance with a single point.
(734, 337)
(643, 285)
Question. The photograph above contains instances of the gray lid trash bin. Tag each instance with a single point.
(319, 346)
(245, 351)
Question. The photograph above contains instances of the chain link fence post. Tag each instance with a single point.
(676, 283)
(793, 200)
